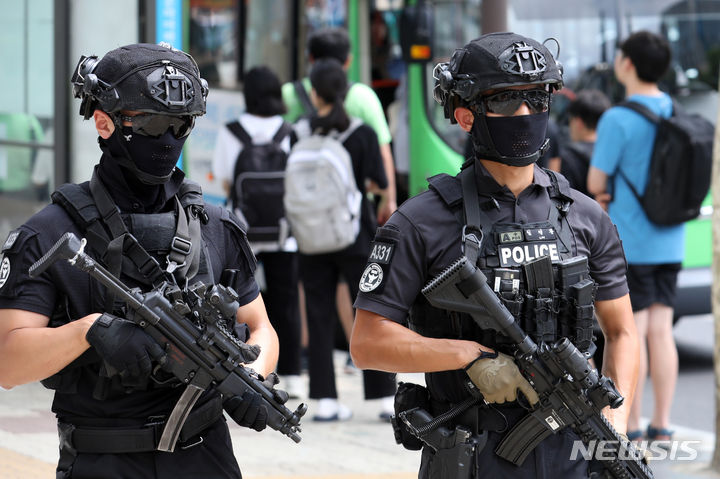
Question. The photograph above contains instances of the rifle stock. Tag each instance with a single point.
(201, 351)
(572, 393)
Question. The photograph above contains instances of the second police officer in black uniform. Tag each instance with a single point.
(498, 88)
(146, 224)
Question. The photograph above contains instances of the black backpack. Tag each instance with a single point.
(680, 166)
(257, 190)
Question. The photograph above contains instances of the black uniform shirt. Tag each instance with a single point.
(227, 249)
(423, 237)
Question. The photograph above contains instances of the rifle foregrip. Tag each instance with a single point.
(65, 248)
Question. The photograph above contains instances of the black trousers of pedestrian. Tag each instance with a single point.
(283, 308)
(209, 458)
(320, 274)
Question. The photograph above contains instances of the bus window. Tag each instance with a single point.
(228, 37)
(456, 23)
(268, 36)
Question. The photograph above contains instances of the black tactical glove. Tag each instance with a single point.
(127, 350)
(247, 410)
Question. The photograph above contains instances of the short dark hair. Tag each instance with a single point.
(649, 53)
(329, 43)
(329, 80)
(263, 94)
(589, 105)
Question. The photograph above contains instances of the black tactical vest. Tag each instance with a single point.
(143, 250)
(534, 270)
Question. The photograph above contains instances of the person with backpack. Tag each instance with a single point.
(584, 113)
(249, 160)
(654, 253)
(493, 215)
(360, 102)
(312, 217)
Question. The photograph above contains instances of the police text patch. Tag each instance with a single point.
(381, 252)
(517, 254)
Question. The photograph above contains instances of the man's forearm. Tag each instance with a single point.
(30, 354)
(620, 362)
(380, 344)
(267, 339)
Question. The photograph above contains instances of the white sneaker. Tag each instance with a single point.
(293, 385)
(329, 409)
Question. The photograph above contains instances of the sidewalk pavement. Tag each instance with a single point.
(361, 448)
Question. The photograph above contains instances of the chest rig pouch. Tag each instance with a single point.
(532, 267)
(132, 247)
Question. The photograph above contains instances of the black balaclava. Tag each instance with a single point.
(511, 140)
(124, 184)
(151, 159)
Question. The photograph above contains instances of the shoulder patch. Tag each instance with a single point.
(381, 252)
(371, 278)
(10, 241)
(4, 271)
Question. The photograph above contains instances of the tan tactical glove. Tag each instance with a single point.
(498, 379)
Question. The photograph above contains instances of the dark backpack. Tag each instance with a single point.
(680, 166)
(257, 190)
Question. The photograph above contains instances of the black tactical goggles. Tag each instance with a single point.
(507, 102)
(150, 124)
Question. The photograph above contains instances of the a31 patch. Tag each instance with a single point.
(10, 241)
(381, 252)
(371, 278)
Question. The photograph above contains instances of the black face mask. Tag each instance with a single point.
(156, 156)
(517, 140)
(151, 159)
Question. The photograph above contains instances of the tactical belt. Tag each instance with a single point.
(144, 439)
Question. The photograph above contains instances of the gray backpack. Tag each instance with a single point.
(322, 200)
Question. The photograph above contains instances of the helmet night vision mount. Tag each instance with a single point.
(141, 77)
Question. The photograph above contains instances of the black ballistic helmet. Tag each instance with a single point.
(143, 77)
(493, 61)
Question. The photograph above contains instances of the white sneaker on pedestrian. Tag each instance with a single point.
(329, 409)
(293, 385)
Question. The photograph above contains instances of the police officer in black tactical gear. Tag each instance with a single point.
(146, 224)
(511, 217)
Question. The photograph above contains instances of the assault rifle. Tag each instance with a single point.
(201, 350)
(572, 393)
